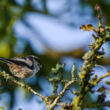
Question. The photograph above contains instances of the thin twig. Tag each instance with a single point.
(12, 79)
(102, 77)
(72, 72)
(51, 106)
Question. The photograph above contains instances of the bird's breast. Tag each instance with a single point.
(20, 71)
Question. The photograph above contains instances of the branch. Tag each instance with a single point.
(51, 106)
(54, 103)
(90, 61)
(102, 77)
(12, 79)
(95, 81)
(95, 105)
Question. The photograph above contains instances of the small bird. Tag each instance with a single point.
(23, 67)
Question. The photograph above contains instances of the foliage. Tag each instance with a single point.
(89, 27)
(2, 108)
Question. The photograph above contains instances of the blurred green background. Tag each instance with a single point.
(49, 29)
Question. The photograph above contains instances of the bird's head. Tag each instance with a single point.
(36, 60)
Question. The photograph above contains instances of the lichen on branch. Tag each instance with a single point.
(102, 35)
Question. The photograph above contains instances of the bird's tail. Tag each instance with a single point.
(5, 60)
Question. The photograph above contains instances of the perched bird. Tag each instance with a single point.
(24, 67)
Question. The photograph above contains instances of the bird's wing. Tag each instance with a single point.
(4, 60)
(21, 61)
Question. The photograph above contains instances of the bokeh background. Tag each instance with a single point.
(49, 29)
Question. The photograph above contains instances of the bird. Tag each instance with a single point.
(23, 67)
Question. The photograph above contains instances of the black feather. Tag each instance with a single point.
(21, 63)
(17, 62)
(5, 60)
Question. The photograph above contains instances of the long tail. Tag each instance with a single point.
(5, 60)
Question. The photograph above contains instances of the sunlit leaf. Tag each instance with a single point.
(83, 27)
(109, 72)
(88, 27)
